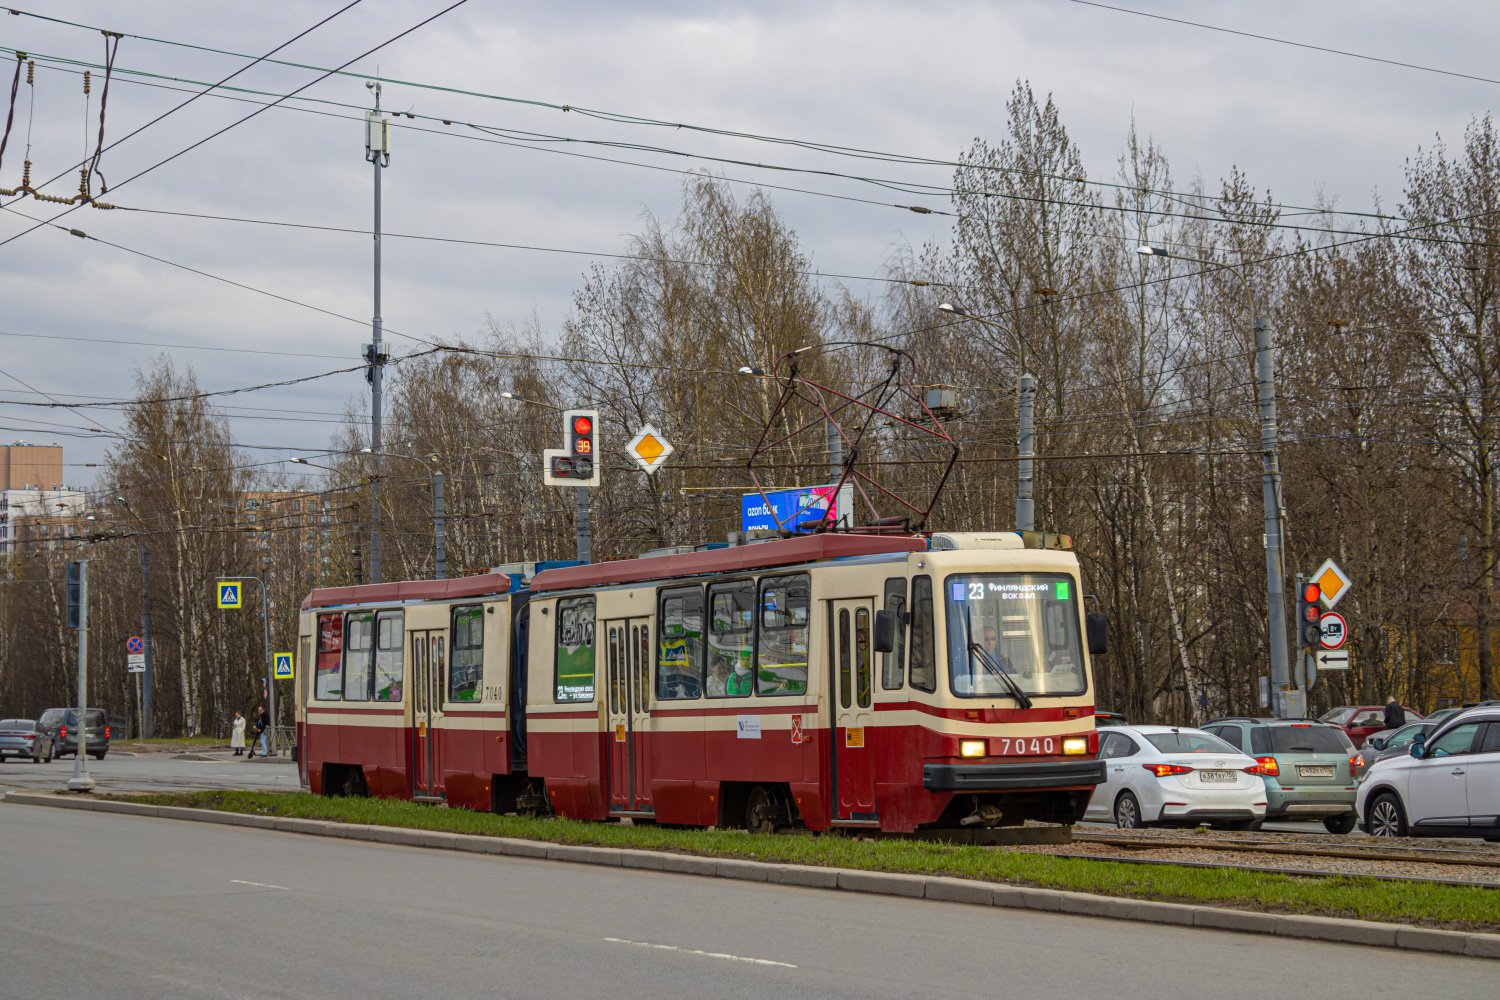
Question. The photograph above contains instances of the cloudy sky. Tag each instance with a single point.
(922, 79)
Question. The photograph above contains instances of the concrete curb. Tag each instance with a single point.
(949, 890)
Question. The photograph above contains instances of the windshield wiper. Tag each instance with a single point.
(994, 668)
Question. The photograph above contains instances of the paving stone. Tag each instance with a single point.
(1334, 929)
(882, 882)
(1234, 920)
(648, 860)
(587, 855)
(960, 890)
(128, 808)
(689, 864)
(808, 875)
(745, 871)
(1431, 939)
(1482, 945)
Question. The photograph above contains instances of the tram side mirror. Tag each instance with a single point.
(885, 631)
(1097, 626)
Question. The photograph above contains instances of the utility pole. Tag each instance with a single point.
(1026, 451)
(81, 782)
(145, 679)
(1282, 692)
(585, 541)
(437, 514)
(378, 152)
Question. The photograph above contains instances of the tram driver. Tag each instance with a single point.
(992, 646)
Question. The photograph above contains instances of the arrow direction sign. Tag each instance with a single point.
(1333, 659)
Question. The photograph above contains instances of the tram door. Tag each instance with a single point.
(851, 689)
(627, 664)
(427, 673)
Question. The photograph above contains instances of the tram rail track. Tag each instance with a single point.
(1355, 852)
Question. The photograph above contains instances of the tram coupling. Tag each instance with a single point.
(986, 814)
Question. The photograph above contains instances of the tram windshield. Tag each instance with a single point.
(1025, 624)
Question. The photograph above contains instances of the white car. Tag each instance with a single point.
(1167, 774)
(1451, 790)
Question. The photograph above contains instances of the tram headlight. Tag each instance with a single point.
(1077, 744)
(972, 748)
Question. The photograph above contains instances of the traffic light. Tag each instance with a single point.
(74, 588)
(577, 463)
(1309, 630)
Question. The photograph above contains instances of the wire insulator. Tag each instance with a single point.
(85, 81)
(30, 72)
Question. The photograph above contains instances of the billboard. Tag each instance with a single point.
(794, 506)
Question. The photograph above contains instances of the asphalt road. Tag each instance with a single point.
(123, 770)
(187, 910)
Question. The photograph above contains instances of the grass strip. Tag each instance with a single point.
(1453, 907)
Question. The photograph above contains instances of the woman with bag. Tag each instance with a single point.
(237, 735)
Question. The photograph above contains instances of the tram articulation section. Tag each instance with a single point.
(878, 681)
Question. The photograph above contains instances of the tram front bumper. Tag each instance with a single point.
(1012, 775)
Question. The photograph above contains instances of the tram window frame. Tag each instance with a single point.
(923, 620)
(330, 649)
(692, 649)
(353, 637)
(474, 628)
(575, 694)
(747, 586)
(384, 648)
(893, 664)
(785, 582)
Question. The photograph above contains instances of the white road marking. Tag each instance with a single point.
(258, 885)
(705, 954)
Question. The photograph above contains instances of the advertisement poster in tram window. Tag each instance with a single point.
(575, 649)
(330, 650)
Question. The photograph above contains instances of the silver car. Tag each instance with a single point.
(1175, 776)
(25, 738)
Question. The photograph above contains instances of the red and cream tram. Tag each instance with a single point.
(891, 682)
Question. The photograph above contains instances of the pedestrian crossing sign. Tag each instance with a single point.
(283, 667)
(229, 595)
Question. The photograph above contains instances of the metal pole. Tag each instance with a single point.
(145, 682)
(1281, 678)
(265, 607)
(1026, 450)
(437, 517)
(585, 542)
(81, 782)
(376, 368)
(836, 473)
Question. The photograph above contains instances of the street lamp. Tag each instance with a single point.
(1026, 421)
(436, 479)
(1281, 675)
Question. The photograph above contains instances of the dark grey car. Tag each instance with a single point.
(25, 738)
(62, 725)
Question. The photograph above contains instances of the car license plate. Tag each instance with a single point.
(1316, 771)
(1217, 775)
(1018, 746)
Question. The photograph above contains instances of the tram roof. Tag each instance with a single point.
(483, 585)
(761, 555)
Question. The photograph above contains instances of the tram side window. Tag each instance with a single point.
(359, 651)
(893, 664)
(466, 676)
(923, 636)
(575, 649)
(731, 634)
(679, 644)
(389, 642)
(330, 657)
(781, 661)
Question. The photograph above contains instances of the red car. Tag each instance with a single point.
(1361, 721)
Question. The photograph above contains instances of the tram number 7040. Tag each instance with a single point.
(1016, 746)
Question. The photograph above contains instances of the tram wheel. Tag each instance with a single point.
(354, 786)
(759, 811)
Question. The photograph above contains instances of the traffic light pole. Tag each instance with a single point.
(1276, 631)
(1025, 450)
(81, 782)
(585, 540)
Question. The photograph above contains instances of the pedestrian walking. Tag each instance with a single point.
(237, 735)
(1395, 715)
(262, 723)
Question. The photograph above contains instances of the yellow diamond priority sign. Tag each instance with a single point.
(1333, 583)
(649, 449)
